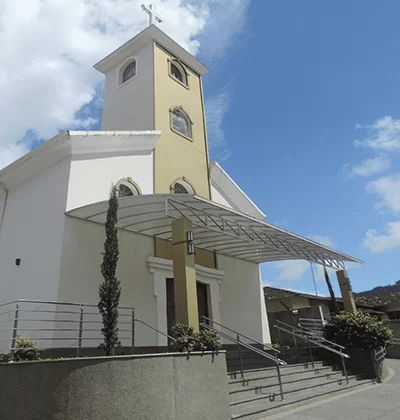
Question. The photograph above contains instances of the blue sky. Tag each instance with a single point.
(302, 106)
(303, 77)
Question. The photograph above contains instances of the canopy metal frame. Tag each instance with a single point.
(218, 224)
(216, 228)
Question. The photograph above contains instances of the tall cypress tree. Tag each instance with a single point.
(110, 289)
(331, 292)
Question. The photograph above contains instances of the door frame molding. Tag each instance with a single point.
(161, 269)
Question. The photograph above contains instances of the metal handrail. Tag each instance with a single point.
(154, 329)
(304, 330)
(299, 334)
(278, 362)
(319, 338)
(59, 303)
(243, 335)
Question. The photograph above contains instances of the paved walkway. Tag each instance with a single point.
(377, 402)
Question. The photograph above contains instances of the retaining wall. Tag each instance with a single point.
(142, 387)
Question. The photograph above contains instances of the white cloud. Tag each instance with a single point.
(323, 240)
(388, 188)
(221, 32)
(48, 48)
(368, 167)
(216, 109)
(377, 242)
(292, 270)
(10, 153)
(384, 134)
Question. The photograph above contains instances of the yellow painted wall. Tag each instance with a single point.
(163, 249)
(175, 156)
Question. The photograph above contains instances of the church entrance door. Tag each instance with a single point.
(202, 302)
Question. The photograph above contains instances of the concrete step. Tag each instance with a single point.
(271, 371)
(265, 382)
(301, 382)
(254, 361)
(261, 406)
(257, 364)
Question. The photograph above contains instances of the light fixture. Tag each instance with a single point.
(190, 244)
(190, 248)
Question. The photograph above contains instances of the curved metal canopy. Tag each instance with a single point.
(215, 228)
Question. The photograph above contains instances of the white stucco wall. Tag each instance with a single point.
(91, 179)
(217, 197)
(130, 107)
(32, 230)
(80, 274)
(242, 302)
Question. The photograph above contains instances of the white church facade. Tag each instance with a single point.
(153, 147)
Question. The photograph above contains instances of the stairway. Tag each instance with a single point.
(258, 395)
(251, 360)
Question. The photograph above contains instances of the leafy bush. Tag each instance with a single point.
(26, 349)
(187, 340)
(358, 331)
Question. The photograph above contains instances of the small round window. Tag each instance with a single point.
(129, 72)
(182, 187)
(181, 123)
(178, 72)
(127, 189)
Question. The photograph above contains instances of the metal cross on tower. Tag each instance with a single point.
(151, 11)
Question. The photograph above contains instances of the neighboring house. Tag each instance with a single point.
(291, 306)
(387, 303)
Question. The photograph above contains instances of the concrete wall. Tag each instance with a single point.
(80, 274)
(219, 198)
(91, 179)
(242, 298)
(130, 106)
(32, 230)
(168, 387)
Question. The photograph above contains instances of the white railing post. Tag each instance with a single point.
(80, 332)
(14, 333)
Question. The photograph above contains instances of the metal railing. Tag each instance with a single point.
(317, 341)
(312, 324)
(278, 362)
(60, 325)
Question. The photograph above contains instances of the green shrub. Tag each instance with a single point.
(358, 331)
(26, 349)
(208, 341)
(187, 340)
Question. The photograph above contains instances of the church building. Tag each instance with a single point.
(190, 240)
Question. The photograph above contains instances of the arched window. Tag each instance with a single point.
(181, 187)
(126, 188)
(178, 72)
(181, 122)
(129, 71)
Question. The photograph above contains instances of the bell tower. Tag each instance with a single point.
(152, 83)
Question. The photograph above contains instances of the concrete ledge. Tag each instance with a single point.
(144, 387)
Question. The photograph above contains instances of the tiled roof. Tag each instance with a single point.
(379, 300)
(275, 293)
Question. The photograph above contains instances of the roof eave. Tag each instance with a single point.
(152, 33)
